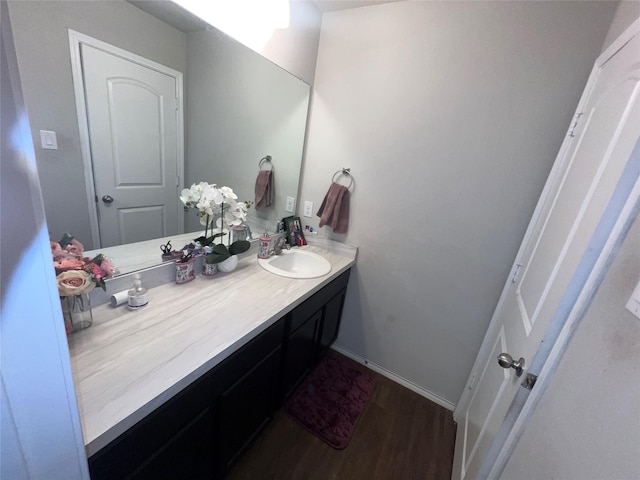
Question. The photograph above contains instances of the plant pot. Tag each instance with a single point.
(229, 265)
(185, 271)
(76, 312)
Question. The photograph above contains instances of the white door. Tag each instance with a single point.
(132, 115)
(586, 174)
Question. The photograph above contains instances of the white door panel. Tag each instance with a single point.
(132, 115)
(589, 172)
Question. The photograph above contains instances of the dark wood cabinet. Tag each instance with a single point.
(310, 330)
(167, 439)
(188, 455)
(201, 431)
(245, 408)
(301, 353)
(250, 395)
(330, 325)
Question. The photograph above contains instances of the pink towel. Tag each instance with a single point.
(334, 210)
(264, 189)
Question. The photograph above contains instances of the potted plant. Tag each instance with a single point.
(219, 206)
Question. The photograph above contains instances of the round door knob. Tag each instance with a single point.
(506, 361)
(107, 199)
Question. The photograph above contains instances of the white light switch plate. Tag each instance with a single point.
(291, 202)
(633, 305)
(308, 209)
(48, 140)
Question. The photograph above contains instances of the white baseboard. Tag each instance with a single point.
(396, 378)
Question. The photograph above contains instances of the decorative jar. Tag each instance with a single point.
(209, 269)
(185, 271)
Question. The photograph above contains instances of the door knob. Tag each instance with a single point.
(107, 199)
(506, 361)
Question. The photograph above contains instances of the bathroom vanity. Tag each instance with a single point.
(180, 388)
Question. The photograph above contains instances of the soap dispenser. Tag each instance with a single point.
(265, 245)
(138, 294)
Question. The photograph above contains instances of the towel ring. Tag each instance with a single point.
(266, 159)
(344, 171)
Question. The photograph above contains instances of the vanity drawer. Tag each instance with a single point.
(305, 310)
(250, 354)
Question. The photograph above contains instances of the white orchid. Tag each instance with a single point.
(212, 201)
(228, 193)
(188, 198)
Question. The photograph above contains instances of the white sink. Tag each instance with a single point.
(296, 263)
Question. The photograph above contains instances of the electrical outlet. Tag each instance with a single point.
(308, 209)
(290, 204)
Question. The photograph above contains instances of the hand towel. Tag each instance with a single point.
(334, 210)
(264, 189)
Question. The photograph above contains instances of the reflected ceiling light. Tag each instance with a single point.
(251, 22)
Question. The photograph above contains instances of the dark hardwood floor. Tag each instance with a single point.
(400, 435)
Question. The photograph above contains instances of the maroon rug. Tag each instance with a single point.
(330, 401)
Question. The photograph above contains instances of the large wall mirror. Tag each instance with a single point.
(237, 108)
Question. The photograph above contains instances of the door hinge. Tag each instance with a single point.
(575, 125)
(514, 278)
(529, 381)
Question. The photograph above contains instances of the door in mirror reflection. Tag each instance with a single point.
(133, 117)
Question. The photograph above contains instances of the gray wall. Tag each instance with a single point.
(40, 435)
(296, 48)
(450, 115)
(42, 45)
(587, 425)
(626, 13)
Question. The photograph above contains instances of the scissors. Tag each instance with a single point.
(166, 248)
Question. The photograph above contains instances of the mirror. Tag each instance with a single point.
(238, 108)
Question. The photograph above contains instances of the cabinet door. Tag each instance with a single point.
(300, 353)
(331, 322)
(179, 433)
(245, 408)
(187, 456)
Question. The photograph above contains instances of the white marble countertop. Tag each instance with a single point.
(130, 362)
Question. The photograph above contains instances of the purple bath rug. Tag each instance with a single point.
(330, 401)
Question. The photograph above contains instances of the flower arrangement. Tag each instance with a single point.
(219, 205)
(76, 274)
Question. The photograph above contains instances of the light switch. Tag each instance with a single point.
(633, 305)
(290, 204)
(48, 140)
(308, 209)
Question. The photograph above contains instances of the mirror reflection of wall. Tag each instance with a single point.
(239, 111)
(239, 106)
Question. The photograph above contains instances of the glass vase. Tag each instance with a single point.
(76, 311)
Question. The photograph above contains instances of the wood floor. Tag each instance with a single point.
(400, 435)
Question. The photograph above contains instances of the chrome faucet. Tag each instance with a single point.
(279, 245)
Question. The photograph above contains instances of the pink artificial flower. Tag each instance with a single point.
(97, 272)
(107, 267)
(75, 248)
(62, 264)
